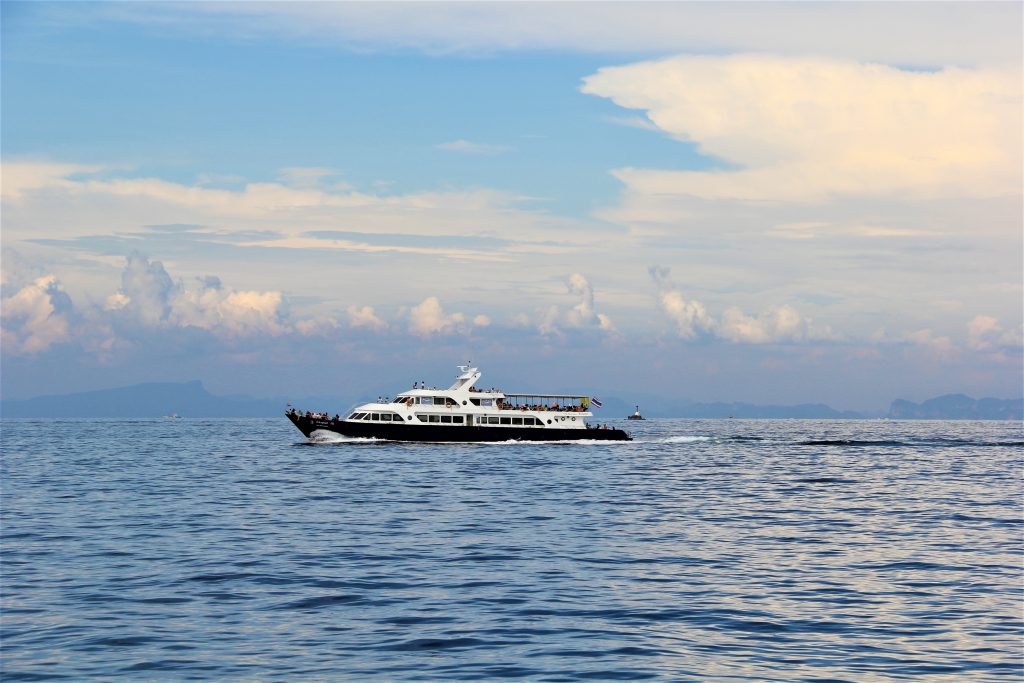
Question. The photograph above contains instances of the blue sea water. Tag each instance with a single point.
(703, 551)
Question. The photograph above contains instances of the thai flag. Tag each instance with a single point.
(595, 402)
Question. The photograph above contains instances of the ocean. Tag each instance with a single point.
(705, 550)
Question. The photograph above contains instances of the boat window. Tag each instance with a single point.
(486, 402)
(529, 421)
(435, 418)
(386, 417)
(374, 416)
(475, 401)
(457, 419)
(446, 418)
(517, 420)
(493, 420)
(421, 417)
(427, 400)
(506, 420)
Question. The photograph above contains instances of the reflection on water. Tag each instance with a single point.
(704, 550)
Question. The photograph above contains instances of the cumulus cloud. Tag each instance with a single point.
(692, 319)
(782, 324)
(940, 347)
(36, 317)
(689, 316)
(581, 315)
(985, 333)
(429, 318)
(364, 316)
(149, 296)
(806, 129)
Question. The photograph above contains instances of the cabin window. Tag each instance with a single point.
(374, 416)
(486, 402)
(529, 421)
(446, 418)
(457, 419)
(506, 420)
(517, 420)
(421, 417)
(435, 418)
(427, 400)
(493, 420)
(351, 417)
(475, 401)
(386, 417)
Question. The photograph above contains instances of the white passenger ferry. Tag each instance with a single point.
(463, 412)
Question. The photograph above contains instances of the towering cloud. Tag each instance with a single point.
(806, 129)
(36, 317)
(691, 318)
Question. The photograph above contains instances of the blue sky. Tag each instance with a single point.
(770, 202)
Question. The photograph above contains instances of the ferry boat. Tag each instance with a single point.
(636, 415)
(461, 413)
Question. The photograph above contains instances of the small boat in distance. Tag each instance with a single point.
(464, 413)
(172, 416)
(636, 415)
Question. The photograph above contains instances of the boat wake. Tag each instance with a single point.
(685, 439)
(321, 436)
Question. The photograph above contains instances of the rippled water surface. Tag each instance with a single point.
(704, 551)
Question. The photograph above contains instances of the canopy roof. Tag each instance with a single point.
(545, 396)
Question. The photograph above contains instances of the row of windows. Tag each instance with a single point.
(380, 417)
(426, 400)
(446, 419)
(528, 421)
(482, 420)
(450, 419)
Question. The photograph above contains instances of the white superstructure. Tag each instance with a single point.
(463, 404)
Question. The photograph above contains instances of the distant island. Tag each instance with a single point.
(191, 399)
(155, 399)
(958, 407)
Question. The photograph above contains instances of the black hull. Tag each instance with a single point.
(450, 433)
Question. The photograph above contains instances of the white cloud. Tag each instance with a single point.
(691, 318)
(74, 200)
(429, 318)
(580, 316)
(25, 176)
(985, 333)
(807, 129)
(365, 317)
(940, 347)
(481, 320)
(36, 317)
(467, 147)
(149, 295)
(901, 33)
(781, 324)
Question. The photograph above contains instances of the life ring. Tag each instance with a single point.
(573, 418)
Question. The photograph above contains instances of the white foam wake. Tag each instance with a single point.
(686, 439)
(326, 436)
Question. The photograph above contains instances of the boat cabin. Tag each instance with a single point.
(464, 404)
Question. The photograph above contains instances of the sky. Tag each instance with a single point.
(762, 202)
